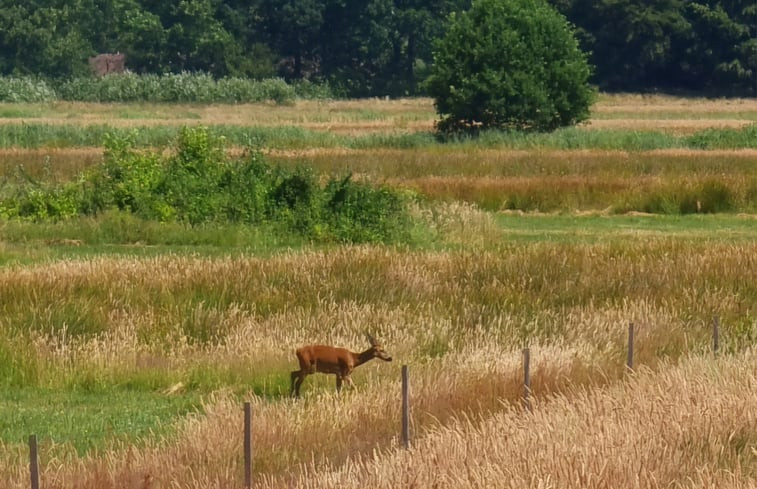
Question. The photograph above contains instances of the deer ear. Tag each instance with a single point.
(371, 339)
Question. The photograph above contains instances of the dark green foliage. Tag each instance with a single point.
(704, 45)
(509, 64)
(361, 213)
(371, 47)
(197, 183)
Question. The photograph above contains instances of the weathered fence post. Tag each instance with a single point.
(33, 462)
(715, 334)
(629, 361)
(247, 445)
(527, 379)
(405, 408)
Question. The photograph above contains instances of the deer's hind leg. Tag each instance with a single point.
(297, 378)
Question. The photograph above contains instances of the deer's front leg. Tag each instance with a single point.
(338, 383)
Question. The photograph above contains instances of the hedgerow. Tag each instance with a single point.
(170, 88)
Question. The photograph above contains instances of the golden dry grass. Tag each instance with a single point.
(693, 425)
(459, 318)
(359, 117)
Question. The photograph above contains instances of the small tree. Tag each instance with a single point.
(509, 64)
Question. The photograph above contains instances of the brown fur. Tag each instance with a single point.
(331, 360)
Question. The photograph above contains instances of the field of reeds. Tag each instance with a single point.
(129, 346)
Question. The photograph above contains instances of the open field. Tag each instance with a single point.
(129, 346)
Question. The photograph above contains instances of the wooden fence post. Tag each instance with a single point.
(629, 361)
(247, 445)
(33, 462)
(715, 334)
(405, 408)
(527, 379)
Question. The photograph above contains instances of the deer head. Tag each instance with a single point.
(378, 351)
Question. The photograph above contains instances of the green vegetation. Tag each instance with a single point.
(509, 64)
(147, 289)
(168, 88)
(87, 421)
(198, 184)
(373, 48)
(36, 135)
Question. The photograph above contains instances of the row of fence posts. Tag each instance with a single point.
(405, 429)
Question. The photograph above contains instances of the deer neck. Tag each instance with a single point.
(361, 358)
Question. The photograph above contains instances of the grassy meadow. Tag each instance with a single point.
(128, 346)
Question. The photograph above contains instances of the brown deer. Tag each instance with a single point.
(331, 360)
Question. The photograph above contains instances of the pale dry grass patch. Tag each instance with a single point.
(351, 116)
(692, 425)
(627, 102)
(458, 223)
(365, 116)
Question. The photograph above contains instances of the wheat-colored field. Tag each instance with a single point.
(223, 325)
(636, 112)
(458, 318)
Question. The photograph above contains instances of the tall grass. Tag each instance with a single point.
(169, 306)
(33, 135)
(686, 426)
(459, 318)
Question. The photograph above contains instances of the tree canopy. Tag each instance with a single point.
(509, 64)
(371, 47)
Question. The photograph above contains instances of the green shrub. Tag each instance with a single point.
(175, 87)
(25, 89)
(509, 64)
(359, 212)
(197, 183)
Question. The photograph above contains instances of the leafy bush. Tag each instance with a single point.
(361, 213)
(509, 64)
(197, 183)
(179, 87)
(25, 89)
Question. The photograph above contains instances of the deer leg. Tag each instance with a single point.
(298, 377)
(338, 383)
(294, 376)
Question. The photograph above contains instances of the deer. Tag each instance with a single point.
(332, 360)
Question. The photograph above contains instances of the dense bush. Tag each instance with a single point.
(181, 87)
(25, 89)
(197, 183)
(509, 64)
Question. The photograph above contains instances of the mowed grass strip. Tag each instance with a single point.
(76, 422)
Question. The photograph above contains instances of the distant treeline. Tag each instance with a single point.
(371, 47)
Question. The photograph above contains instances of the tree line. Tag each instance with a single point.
(373, 47)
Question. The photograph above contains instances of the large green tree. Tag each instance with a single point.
(509, 64)
(45, 36)
(721, 51)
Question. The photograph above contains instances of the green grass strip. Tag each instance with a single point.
(292, 137)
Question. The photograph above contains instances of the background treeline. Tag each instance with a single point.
(371, 47)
